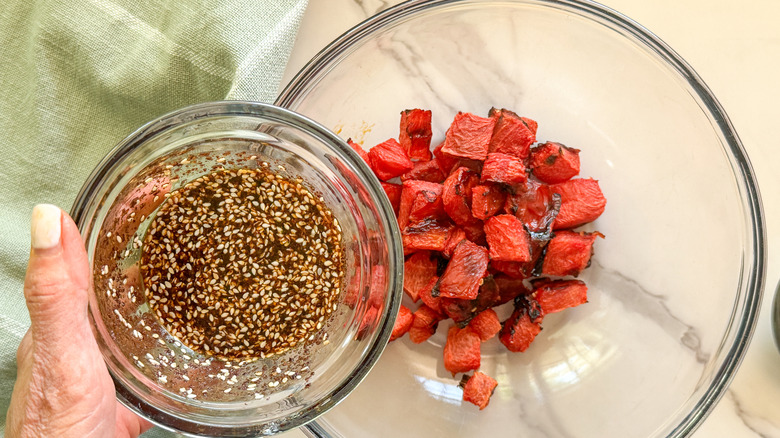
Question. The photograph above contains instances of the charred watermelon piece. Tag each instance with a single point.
(410, 189)
(415, 134)
(535, 204)
(427, 234)
(512, 134)
(359, 149)
(504, 169)
(424, 324)
(556, 295)
(430, 295)
(522, 326)
(464, 272)
(393, 192)
(461, 351)
(419, 268)
(555, 163)
(469, 136)
(568, 253)
(581, 202)
(427, 205)
(486, 200)
(486, 324)
(462, 311)
(425, 171)
(388, 160)
(456, 195)
(403, 322)
(507, 239)
(478, 389)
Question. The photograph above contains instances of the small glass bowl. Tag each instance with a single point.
(180, 389)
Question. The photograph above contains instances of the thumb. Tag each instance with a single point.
(57, 282)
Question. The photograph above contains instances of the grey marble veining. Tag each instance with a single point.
(638, 300)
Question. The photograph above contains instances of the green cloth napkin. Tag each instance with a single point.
(77, 76)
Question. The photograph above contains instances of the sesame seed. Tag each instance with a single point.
(229, 269)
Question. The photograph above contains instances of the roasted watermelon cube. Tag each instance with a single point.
(581, 202)
(389, 160)
(555, 163)
(427, 205)
(469, 136)
(520, 329)
(412, 188)
(457, 193)
(424, 324)
(486, 324)
(507, 239)
(486, 200)
(415, 135)
(568, 253)
(430, 295)
(535, 205)
(461, 351)
(512, 134)
(464, 272)
(478, 389)
(462, 311)
(419, 268)
(427, 234)
(504, 169)
(403, 322)
(556, 295)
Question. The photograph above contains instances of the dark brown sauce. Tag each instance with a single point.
(242, 263)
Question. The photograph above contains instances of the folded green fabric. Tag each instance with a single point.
(77, 76)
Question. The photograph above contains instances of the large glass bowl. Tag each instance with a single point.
(183, 390)
(675, 286)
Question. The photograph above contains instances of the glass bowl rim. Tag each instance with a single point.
(207, 110)
(754, 274)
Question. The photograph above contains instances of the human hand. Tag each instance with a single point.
(63, 388)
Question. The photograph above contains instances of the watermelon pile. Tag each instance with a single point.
(486, 218)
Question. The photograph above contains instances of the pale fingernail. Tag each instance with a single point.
(46, 226)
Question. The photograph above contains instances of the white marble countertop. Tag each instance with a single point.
(735, 48)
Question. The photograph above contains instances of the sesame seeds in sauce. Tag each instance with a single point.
(242, 264)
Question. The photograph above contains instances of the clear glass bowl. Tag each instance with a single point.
(675, 287)
(181, 389)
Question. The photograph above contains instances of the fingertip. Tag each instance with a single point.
(45, 227)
